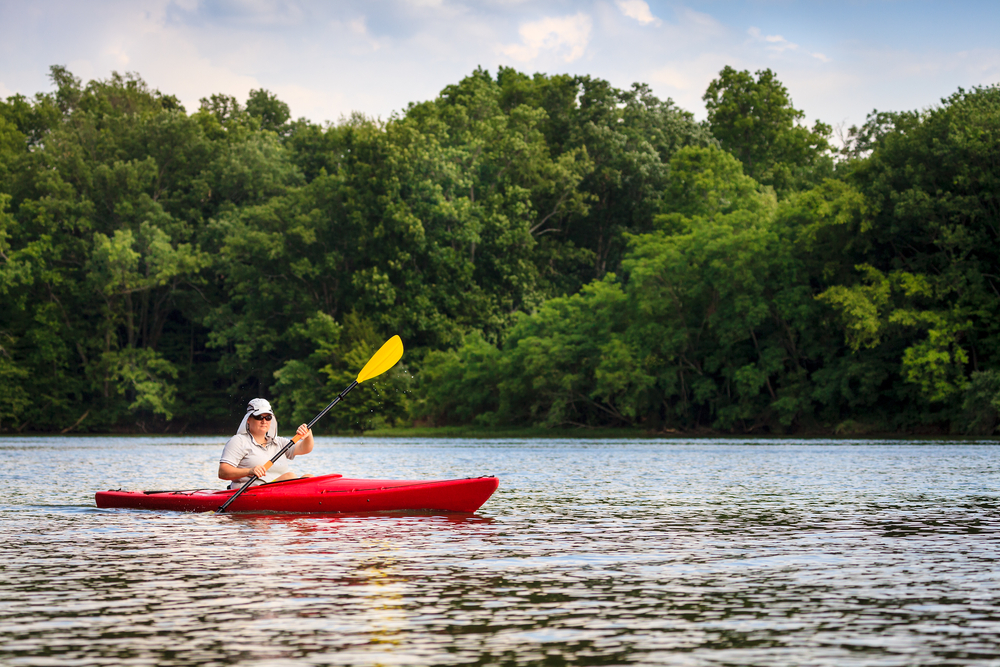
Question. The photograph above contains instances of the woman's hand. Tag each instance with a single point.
(231, 472)
(305, 443)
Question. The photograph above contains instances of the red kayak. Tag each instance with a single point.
(328, 493)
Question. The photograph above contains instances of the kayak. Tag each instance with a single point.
(327, 493)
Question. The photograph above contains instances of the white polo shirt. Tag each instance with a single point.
(242, 451)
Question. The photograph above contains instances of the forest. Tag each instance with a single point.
(554, 252)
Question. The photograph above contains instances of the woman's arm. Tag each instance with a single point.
(305, 445)
(231, 472)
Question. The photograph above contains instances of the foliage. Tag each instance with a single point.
(305, 386)
(755, 120)
(460, 385)
(553, 251)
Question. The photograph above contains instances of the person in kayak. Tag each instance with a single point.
(255, 442)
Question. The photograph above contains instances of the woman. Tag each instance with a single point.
(255, 443)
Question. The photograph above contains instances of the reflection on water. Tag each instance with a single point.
(591, 553)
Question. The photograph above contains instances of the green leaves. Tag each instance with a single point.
(755, 120)
(937, 363)
(552, 249)
(272, 113)
(460, 386)
(860, 307)
(305, 386)
(13, 396)
(143, 377)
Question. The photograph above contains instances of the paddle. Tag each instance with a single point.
(381, 361)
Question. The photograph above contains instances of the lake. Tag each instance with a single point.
(674, 552)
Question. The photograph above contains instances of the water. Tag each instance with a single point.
(591, 553)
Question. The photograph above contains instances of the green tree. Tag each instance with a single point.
(631, 137)
(931, 184)
(460, 386)
(272, 113)
(755, 120)
(306, 385)
(102, 277)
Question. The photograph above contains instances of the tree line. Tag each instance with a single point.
(553, 251)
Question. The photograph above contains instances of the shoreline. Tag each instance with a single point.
(540, 433)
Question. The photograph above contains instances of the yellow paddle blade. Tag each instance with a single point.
(383, 360)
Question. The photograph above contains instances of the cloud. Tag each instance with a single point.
(685, 78)
(354, 36)
(326, 59)
(673, 77)
(638, 10)
(778, 44)
(258, 13)
(569, 34)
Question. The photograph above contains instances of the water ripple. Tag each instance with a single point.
(591, 553)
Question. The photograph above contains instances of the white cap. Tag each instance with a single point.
(259, 406)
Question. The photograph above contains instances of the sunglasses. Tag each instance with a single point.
(260, 417)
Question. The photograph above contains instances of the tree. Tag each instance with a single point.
(272, 113)
(926, 287)
(630, 136)
(104, 282)
(755, 120)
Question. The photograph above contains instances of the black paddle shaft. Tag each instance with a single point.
(284, 449)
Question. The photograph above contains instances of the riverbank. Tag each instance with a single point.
(540, 433)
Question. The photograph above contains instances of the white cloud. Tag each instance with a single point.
(569, 34)
(685, 79)
(168, 58)
(263, 13)
(356, 37)
(326, 59)
(673, 77)
(638, 10)
(778, 44)
(314, 100)
(119, 55)
(703, 23)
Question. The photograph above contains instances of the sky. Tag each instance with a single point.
(839, 60)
